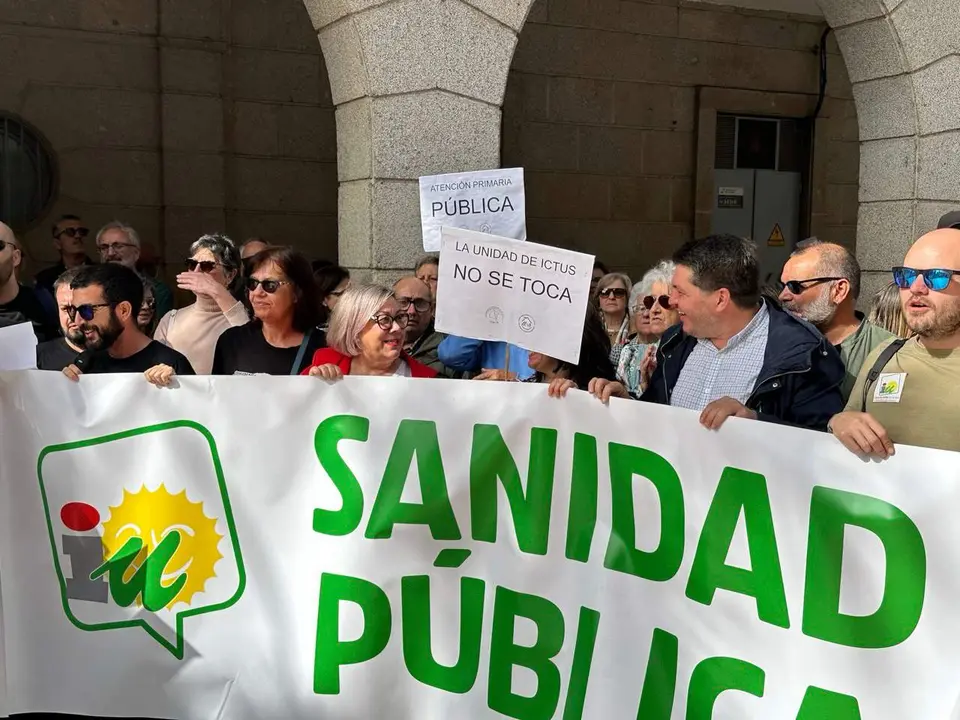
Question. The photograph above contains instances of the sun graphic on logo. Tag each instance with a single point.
(151, 515)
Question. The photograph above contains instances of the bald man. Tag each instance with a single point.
(821, 284)
(913, 397)
(17, 302)
(251, 247)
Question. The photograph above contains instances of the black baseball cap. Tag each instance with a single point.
(950, 220)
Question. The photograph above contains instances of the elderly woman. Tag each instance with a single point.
(612, 292)
(594, 360)
(653, 316)
(366, 338)
(283, 335)
(212, 275)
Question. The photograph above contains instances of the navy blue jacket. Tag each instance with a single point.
(799, 383)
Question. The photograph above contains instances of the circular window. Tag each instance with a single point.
(26, 173)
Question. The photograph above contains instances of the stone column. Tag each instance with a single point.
(418, 86)
(901, 59)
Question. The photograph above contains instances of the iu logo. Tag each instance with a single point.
(140, 543)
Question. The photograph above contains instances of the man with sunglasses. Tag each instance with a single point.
(69, 235)
(908, 392)
(821, 284)
(106, 300)
(18, 303)
(420, 340)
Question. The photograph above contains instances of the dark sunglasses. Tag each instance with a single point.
(86, 311)
(613, 292)
(935, 278)
(419, 304)
(149, 304)
(80, 232)
(798, 286)
(269, 286)
(386, 321)
(205, 266)
(664, 300)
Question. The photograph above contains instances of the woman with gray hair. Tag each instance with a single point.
(212, 274)
(366, 338)
(650, 305)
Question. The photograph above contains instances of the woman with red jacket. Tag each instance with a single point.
(366, 338)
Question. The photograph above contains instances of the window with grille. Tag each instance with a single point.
(27, 175)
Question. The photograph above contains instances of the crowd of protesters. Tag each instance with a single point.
(697, 331)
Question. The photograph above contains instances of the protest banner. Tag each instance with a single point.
(408, 549)
(488, 201)
(494, 288)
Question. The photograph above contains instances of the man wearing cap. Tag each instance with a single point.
(908, 392)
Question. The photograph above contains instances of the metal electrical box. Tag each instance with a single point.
(759, 185)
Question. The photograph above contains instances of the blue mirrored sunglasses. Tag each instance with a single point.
(935, 278)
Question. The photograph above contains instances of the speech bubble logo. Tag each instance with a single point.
(142, 530)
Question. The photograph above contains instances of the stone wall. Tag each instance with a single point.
(178, 116)
(602, 109)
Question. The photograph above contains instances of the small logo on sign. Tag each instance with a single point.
(485, 228)
(526, 323)
(494, 315)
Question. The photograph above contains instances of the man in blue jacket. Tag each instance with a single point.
(487, 359)
(734, 353)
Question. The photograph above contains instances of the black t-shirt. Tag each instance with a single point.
(244, 351)
(153, 354)
(55, 355)
(27, 304)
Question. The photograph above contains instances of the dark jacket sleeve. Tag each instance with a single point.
(816, 396)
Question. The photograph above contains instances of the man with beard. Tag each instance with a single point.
(19, 303)
(61, 352)
(821, 284)
(105, 302)
(909, 391)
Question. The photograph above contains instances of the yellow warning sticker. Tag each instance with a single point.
(776, 237)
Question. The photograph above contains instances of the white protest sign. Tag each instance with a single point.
(421, 549)
(494, 288)
(18, 347)
(489, 201)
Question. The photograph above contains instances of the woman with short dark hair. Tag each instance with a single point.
(284, 334)
(212, 271)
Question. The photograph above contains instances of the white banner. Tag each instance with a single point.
(493, 288)
(241, 548)
(488, 201)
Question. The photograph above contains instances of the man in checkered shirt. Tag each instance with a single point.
(735, 353)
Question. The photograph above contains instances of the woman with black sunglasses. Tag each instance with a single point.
(612, 295)
(651, 304)
(212, 272)
(284, 333)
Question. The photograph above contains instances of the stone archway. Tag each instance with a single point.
(904, 72)
(419, 86)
